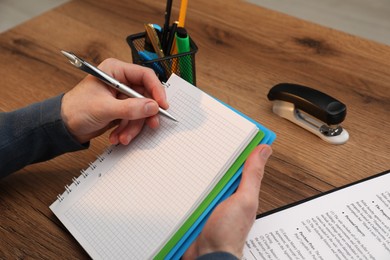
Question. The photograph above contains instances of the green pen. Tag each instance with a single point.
(185, 62)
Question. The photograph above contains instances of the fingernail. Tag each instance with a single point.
(266, 152)
(157, 121)
(151, 108)
(128, 139)
(114, 140)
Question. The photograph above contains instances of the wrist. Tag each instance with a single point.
(68, 121)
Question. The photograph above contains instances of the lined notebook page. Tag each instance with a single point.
(133, 198)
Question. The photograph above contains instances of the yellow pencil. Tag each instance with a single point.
(183, 12)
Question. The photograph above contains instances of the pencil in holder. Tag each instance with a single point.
(182, 64)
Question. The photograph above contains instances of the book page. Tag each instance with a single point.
(133, 198)
(350, 223)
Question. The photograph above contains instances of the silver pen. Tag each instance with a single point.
(92, 70)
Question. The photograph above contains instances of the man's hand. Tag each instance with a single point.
(91, 107)
(228, 226)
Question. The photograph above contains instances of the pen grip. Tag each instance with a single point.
(127, 90)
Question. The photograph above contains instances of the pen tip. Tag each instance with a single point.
(67, 54)
(73, 59)
(171, 117)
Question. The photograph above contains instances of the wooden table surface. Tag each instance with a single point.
(244, 50)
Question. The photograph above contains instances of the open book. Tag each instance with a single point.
(135, 201)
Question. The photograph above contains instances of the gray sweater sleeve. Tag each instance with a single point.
(34, 134)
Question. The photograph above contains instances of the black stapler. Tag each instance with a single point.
(311, 109)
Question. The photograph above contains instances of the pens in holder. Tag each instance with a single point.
(152, 34)
(182, 18)
(154, 39)
(185, 62)
(147, 56)
(171, 39)
(148, 44)
(166, 26)
(173, 51)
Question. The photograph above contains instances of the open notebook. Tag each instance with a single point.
(134, 199)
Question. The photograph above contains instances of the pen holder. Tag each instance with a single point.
(182, 64)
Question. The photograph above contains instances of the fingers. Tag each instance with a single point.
(153, 121)
(252, 175)
(136, 76)
(126, 131)
(129, 109)
(133, 112)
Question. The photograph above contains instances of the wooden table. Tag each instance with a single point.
(243, 51)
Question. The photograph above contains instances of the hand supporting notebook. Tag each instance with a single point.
(229, 224)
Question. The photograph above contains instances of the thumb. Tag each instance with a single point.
(253, 171)
(130, 109)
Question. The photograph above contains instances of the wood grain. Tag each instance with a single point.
(243, 52)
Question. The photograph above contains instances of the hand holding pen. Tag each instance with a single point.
(92, 107)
